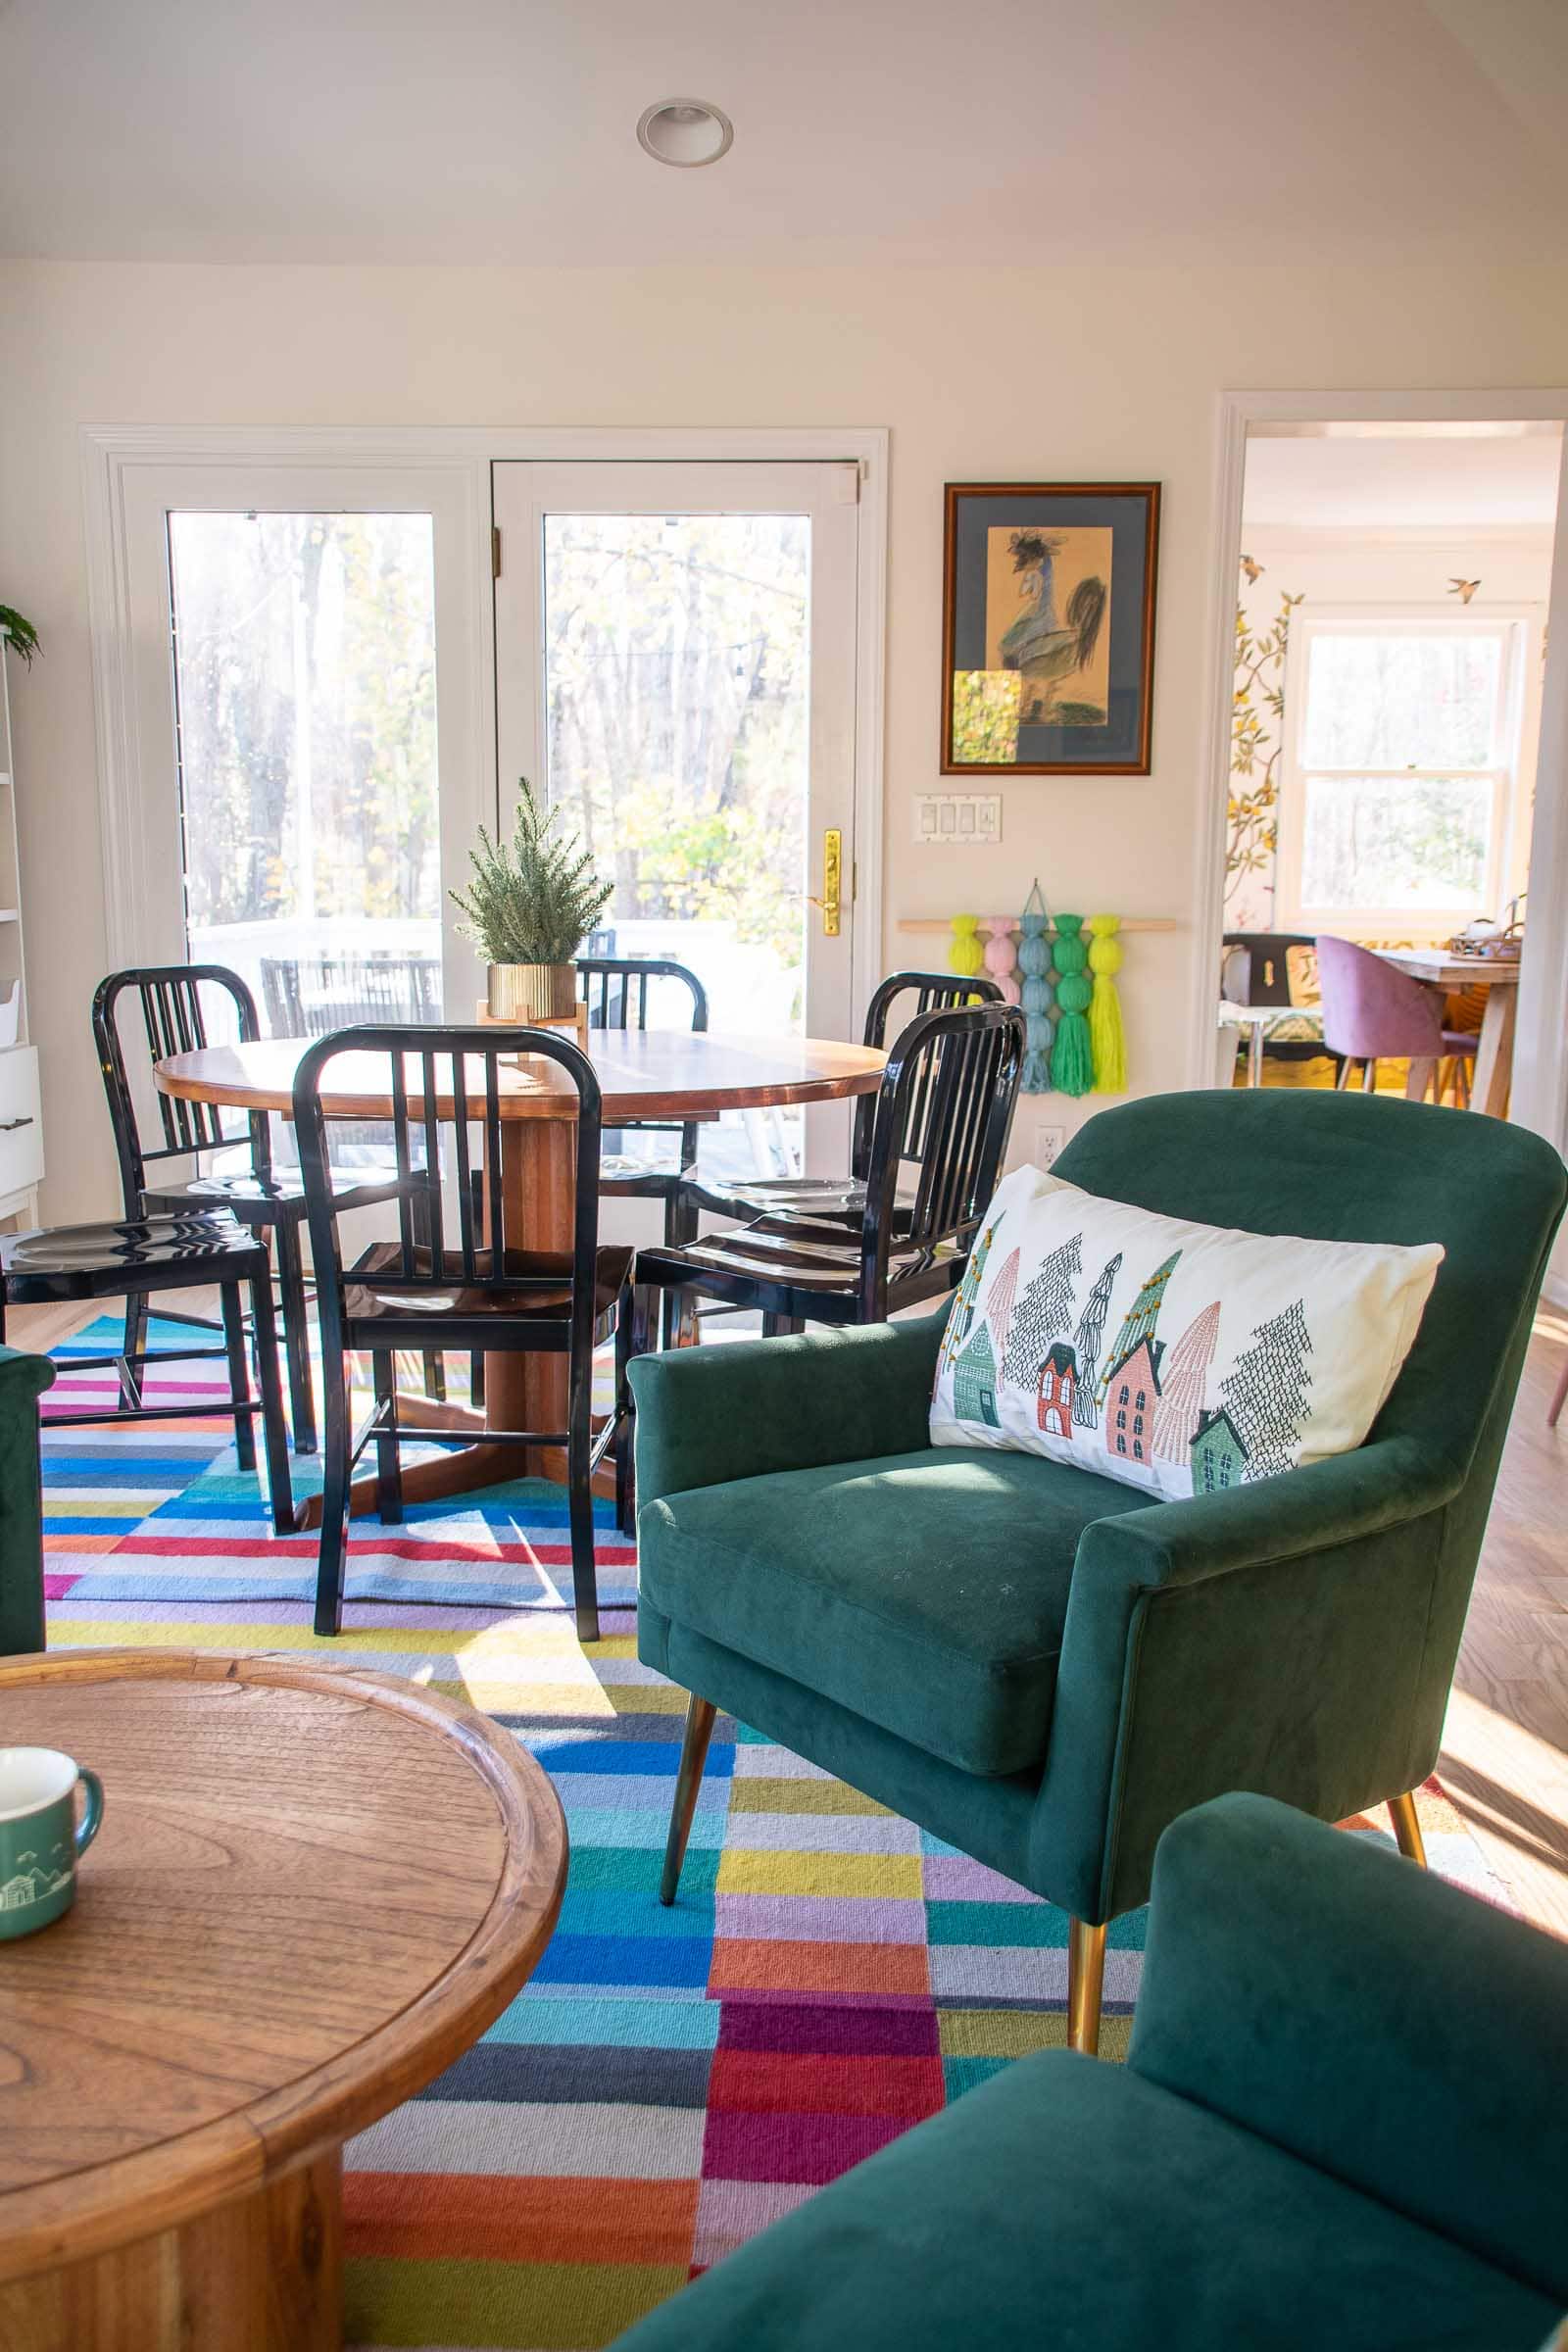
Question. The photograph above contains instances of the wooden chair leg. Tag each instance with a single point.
(1559, 1399)
(1406, 1827)
(388, 1469)
(1342, 1076)
(1086, 1978)
(239, 1374)
(700, 1714)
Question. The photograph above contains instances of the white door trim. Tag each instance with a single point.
(111, 454)
(1541, 1063)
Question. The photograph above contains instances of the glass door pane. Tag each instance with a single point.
(305, 683)
(677, 717)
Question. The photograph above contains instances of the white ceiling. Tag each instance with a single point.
(1404, 480)
(1002, 131)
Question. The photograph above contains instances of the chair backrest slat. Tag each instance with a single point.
(172, 1003)
(933, 992)
(446, 1062)
(956, 1070)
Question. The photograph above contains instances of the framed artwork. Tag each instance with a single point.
(1048, 629)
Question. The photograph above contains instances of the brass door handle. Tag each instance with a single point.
(832, 882)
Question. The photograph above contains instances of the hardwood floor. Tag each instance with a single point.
(1505, 1753)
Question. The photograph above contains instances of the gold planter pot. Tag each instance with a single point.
(531, 991)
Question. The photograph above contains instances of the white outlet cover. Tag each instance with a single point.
(1048, 1141)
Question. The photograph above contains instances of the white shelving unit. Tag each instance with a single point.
(21, 1114)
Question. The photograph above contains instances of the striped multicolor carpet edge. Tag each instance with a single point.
(669, 2081)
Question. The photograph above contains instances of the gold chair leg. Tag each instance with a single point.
(1085, 1977)
(699, 1730)
(1406, 1827)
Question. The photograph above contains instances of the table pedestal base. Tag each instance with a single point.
(261, 2273)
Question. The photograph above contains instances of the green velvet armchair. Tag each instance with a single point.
(1035, 1663)
(1328, 2138)
(22, 1381)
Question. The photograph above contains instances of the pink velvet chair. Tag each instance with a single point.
(1372, 1012)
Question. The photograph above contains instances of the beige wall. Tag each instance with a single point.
(1044, 373)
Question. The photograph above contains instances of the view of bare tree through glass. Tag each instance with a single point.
(676, 670)
(1402, 764)
(305, 676)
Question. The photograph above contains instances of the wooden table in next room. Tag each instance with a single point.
(1499, 977)
(313, 1890)
(643, 1074)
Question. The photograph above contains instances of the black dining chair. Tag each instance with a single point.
(614, 990)
(140, 1260)
(486, 1289)
(1278, 967)
(265, 1197)
(944, 1111)
(784, 1196)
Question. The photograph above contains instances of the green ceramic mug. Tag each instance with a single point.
(40, 1836)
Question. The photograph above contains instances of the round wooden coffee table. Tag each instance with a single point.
(312, 1889)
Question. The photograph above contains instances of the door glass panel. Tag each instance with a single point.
(305, 683)
(678, 687)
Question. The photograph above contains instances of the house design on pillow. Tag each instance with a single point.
(974, 1381)
(1218, 1455)
(1131, 1400)
(1059, 1387)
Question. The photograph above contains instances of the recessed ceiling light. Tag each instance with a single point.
(685, 132)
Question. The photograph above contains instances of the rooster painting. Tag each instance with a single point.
(1046, 651)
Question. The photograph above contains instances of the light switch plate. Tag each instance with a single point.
(958, 819)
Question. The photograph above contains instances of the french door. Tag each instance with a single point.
(675, 667)
(310, 765)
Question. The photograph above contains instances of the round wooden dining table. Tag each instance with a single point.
(672, 1074)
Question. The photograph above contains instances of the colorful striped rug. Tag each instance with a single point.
(669, 2081)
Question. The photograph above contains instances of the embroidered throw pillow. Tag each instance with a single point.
(1174, 1356)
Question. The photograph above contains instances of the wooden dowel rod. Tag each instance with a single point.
(1129, 922)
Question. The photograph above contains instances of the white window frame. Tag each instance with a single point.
(1511, 626)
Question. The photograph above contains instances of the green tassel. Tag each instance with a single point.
(1072, 1060)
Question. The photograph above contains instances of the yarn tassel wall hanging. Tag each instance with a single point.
(1106, 1036)
(1001, 955)
(1072, 1061)
(1034, 962)
(965, 955)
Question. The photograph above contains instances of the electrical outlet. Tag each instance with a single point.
(1049, 1141)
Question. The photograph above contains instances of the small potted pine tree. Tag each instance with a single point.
(530, 906)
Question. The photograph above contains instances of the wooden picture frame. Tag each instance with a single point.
(1048, 629)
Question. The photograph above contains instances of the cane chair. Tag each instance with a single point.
(488, 1290)
(944, 1110)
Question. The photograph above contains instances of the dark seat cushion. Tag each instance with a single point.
(925, 1590)
(1068, 2202)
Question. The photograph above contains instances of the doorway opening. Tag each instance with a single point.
(1386, 704)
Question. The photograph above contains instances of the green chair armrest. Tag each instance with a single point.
(1382, 2025)
(706, 1415)
(1337, 1501)
(1277, 1637)
(22, 1381)
(23, 1377)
